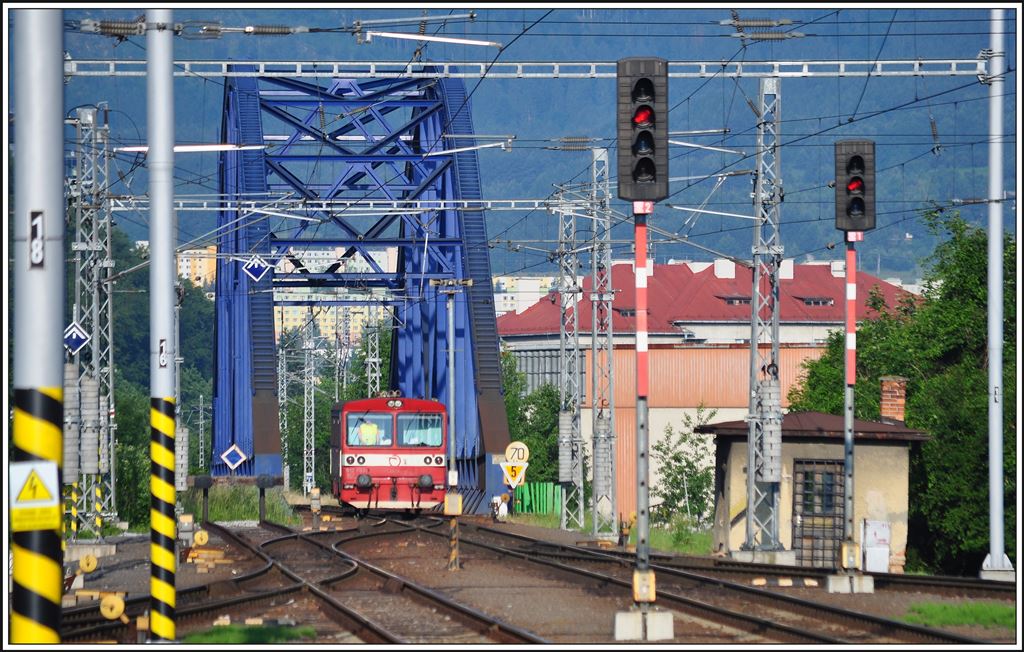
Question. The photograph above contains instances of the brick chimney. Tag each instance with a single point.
(894, 398)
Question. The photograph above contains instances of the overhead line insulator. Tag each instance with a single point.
(113, 27)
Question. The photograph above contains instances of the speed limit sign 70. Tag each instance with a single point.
(517, 453)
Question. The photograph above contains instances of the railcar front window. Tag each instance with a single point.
(368, 429)
(419, 430)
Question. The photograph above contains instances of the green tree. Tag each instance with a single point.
(685, 483)
(132, 452)
(541, 433)
(532, 419)
(940, 343)
(513, 385)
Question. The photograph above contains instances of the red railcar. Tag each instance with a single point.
(389, 453)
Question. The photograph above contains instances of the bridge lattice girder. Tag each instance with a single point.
(355, 139)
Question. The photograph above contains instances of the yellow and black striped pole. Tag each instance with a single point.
(74, 511)
(38, 573)
(163, 530)
(34, 511)
(163, 234)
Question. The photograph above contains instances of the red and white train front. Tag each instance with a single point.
(389, 453)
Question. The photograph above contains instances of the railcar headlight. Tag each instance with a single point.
(363, 481)
(439, 460)
(426, 482)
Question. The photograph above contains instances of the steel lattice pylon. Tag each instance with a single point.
(357, 139)
(282, 417)
(308, 409)
(89, 468)
(570, 441)
(604, 515)
(372, 335)
(764, 443)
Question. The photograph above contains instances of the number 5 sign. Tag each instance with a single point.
(514, 473)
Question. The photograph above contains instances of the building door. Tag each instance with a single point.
(818, 512)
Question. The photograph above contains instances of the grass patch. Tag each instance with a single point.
(250, 635)
(984, 614)
(552, 520)
(682, 541)
(240, 503)
(688, 542)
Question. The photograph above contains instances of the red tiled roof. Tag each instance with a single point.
(676, 293)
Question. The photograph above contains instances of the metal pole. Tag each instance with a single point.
(202, 435)
(337, 356)
(308, 409)
(39, 315)
(162, 240)
(282, 409)
(452, 471)
(996, 558)
(453, 475)
(850, 554)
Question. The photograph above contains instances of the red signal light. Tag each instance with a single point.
(855, 184)
(644, 116)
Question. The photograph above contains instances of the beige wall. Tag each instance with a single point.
(880, 487)
(625, 444)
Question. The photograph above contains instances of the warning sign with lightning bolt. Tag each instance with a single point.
(34, 490)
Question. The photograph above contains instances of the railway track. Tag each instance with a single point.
(346, 600)
(350, 579)
(790, 619)
(782, 575)
(408, 612)
(261, 586)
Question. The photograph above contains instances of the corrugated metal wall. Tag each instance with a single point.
(625, 460)
(544, 366)
(715, 377)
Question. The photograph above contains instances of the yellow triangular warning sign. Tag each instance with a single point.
(34, 490)
(514, 473)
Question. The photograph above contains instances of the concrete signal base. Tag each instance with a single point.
(844, 583)
(1004, 574)
(998, 575)
(635, 625)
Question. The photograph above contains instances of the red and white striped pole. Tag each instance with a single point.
(851, 306)
(640, 237)
(851, 555)
(643, 576)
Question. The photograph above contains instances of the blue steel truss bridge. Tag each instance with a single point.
(332, 149)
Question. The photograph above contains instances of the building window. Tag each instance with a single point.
(735, 300)
(818, 301)
(626, 312)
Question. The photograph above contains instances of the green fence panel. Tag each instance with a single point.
(538, 497)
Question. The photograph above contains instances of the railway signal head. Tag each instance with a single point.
(855, 185)
(642, 128)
